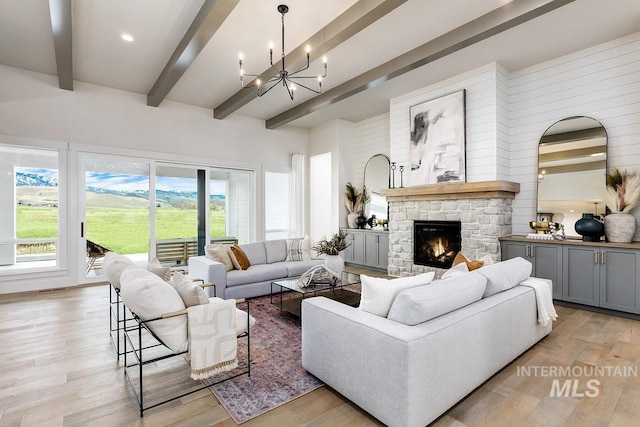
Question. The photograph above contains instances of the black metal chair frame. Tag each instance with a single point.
(139, 362)
(116, 307)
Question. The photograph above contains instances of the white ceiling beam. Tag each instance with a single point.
(353, 20)
(505, 17)
(208, 20)
(61, 26)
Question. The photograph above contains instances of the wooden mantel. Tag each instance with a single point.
(467, 190)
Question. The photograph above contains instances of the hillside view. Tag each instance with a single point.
(115, 219)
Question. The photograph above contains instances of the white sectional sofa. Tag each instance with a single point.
(407, 372)
(268, 261)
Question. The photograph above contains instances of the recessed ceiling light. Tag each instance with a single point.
(126, 37)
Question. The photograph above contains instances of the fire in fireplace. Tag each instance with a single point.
(436, 243)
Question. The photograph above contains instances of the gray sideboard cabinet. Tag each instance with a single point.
(606, 277)
(369, 248)
(598, 274)
(545, 258)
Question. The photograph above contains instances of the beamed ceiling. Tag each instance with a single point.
(187, 50)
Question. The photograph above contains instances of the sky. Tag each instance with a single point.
(127, 182)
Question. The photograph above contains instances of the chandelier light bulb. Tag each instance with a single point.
(307, 49)
(324, 60)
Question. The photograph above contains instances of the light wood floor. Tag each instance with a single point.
(57, 367)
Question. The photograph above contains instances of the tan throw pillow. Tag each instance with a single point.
(240, 257)
(191, 293)
(220, 254)
(234, 260)
(471, 265)
(159, 270)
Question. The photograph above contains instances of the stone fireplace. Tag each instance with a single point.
(483, 210)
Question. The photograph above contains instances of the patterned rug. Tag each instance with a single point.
(277, 375)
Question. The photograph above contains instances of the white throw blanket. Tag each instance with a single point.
(213, 342)
(544, 300)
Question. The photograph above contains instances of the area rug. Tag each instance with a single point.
(277, 375)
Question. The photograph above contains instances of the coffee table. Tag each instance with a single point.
(293, 304)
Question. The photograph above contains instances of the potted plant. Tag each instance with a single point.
(622, 195)
(331, 249)
(353, 203)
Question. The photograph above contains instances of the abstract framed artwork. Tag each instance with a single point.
(438, 140)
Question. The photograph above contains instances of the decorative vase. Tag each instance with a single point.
(619, 227)
(351, 219)
(361, 221)
(590, 227)
(334, 264)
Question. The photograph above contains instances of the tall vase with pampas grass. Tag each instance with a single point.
(623, 194)
(354, 201)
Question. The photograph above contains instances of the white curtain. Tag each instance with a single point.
(297, 198)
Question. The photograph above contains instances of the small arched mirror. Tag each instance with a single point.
(572, 163)
(376, 177)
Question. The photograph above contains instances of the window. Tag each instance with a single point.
(276, 205)
(29, 207)
(320, 195)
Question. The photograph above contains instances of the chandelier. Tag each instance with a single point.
(289, 79)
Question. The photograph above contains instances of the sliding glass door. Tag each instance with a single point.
(116, 210)
(176, 208)
(142, 209)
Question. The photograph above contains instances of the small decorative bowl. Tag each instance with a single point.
(541, 227)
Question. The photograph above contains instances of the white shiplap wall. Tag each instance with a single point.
(371, 137)
(602, 82)
(483, 136)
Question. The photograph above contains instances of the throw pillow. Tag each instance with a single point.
(190, 292)
(159, 270)
(306, 248)
(150, 297)
(220, 254)
(377, 294)
(241, 257)
(294, 250)
(417, 305)
(472, 265)
(114, 264)
(234, 260)
(455, 271)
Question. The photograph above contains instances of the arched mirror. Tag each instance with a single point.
(376, 177)
(572, 163)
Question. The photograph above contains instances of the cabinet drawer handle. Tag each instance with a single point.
(533, 251)
(602, 259)
(595, 257)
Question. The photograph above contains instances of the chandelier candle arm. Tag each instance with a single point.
(289, 79)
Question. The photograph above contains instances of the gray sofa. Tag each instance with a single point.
(268, 263)
(409, 375)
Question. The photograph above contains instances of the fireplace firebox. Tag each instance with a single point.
(436, 243)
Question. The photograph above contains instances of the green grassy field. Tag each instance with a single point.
(121, 229)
